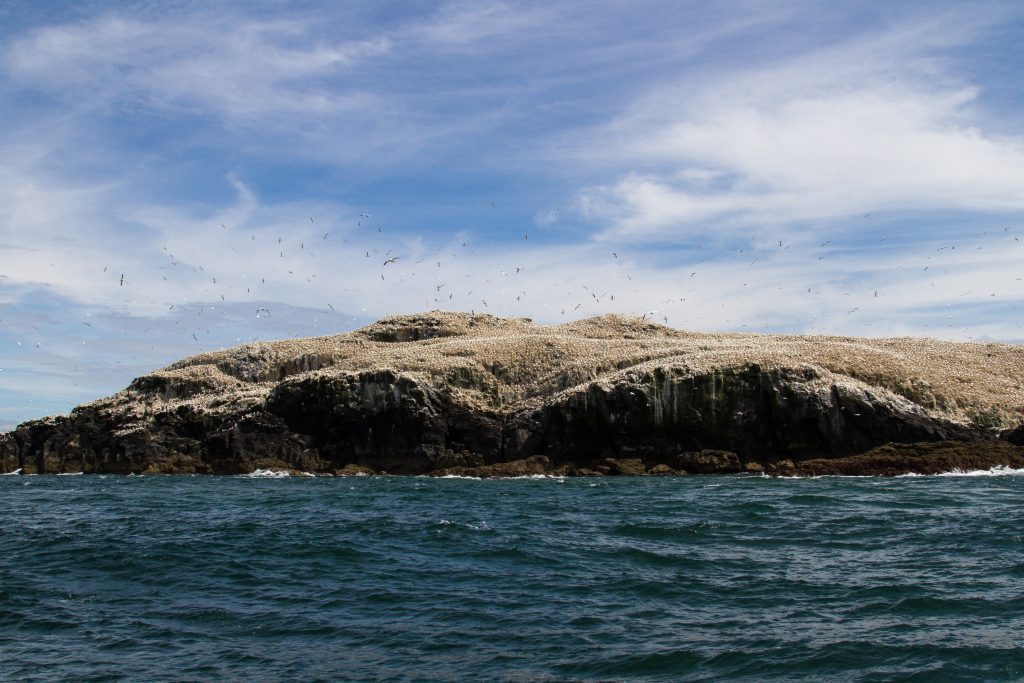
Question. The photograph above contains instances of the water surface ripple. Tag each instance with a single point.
(106, 578)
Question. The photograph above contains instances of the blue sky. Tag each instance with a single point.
(797, 167)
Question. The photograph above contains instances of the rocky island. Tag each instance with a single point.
(468, 394)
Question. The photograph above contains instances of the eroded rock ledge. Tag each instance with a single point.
(461, 394)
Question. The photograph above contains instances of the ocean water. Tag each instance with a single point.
(709, 578)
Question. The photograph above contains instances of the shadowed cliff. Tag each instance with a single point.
(474, 394)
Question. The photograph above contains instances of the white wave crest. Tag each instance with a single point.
(539, 476)
(997, 471)
(482, 526)
(267, 474)
(9, 474)
(555, 477)
(273, 474)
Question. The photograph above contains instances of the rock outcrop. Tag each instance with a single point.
(462, 394)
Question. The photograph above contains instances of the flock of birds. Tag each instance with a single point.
(465, 287)
(284, 267)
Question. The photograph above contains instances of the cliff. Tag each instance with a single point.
(474, 394)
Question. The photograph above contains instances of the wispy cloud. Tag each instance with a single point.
(460, 26)
(240, 69)
(875, 124)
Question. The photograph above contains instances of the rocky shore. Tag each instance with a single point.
(474, 395)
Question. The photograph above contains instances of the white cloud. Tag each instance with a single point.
(239, 69)
(250, 251)
(460, 26)
(872, 125)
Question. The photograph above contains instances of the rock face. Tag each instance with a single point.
(472, 394)
(1016, 436)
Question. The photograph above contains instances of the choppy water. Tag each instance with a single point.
(697, 578)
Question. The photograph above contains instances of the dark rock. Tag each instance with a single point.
(351, 470)
(587, 472)
(709, 462)
(533, 466)
(917, 458)
(627, 467)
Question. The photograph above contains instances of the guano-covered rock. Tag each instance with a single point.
(450, 393)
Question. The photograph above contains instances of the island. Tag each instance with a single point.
(466, 394)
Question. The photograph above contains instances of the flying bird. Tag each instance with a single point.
(392, 260)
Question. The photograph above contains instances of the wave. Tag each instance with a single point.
(996, 471)
(482, 526)
(538, 476)
(274, 474)
(8, 474)
(556, 477)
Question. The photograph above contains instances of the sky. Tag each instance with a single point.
(179, 176)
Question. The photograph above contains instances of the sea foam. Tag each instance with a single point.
(273, 474)
(997, 471)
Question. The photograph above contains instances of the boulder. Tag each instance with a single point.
(709, 461)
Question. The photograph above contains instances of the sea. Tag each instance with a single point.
(699, 578)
